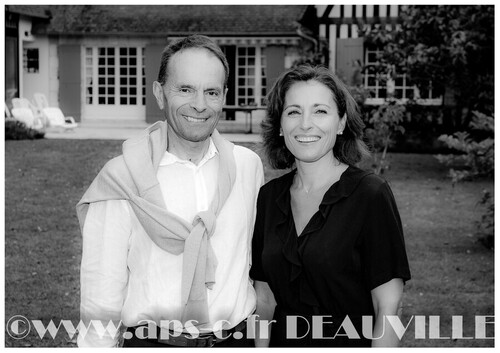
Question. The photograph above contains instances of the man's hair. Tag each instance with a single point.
(192, 41)
(349, 147)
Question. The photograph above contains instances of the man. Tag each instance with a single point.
(167, 225)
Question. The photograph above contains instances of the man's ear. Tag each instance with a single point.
(225, 95)
(158, 93)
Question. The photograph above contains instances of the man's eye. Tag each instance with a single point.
(185, 90)
(213, 93)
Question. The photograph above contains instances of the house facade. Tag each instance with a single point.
(341, 28)
(98, 62)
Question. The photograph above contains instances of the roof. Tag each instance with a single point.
(28, 10)
(176, 19)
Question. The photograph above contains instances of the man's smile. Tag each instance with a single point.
(195, 119)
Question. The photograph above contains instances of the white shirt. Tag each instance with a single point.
(125, 276)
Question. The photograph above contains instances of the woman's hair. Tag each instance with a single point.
(349, 147)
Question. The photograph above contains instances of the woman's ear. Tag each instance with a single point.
(342, 124)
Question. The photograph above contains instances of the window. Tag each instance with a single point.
(250, 76)
(115, 76)
(382, 87)
(30, 60)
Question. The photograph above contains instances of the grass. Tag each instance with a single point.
(44, 179)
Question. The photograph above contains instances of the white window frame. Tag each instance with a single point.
(392, 87)
(259, 77)
(93, 110)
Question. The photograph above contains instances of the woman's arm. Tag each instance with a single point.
(265, 311)
(386, 301)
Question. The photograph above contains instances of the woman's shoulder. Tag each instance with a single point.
(371, 183)
(277, 185)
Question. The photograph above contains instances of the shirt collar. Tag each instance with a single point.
(347, 183)
(169, 158)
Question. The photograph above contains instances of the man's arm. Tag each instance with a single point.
(103, 272)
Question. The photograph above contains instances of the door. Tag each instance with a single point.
(114, 82)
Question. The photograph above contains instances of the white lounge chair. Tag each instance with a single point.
(56, 118)
(26, 103)
(41, 101)
(26, 116)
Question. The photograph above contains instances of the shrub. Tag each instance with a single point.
(486, 226)
(475, 159)
(16, 130)
(384, 123)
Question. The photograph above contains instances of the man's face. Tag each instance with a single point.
(193, 95)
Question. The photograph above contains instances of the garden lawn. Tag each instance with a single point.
(44, 179)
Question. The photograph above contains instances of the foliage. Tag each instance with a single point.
(385, 122)
(450, 46)
(475, 158)
(17, 130)
(486, 227)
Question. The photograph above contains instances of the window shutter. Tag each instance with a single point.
(350, 60)
(70, 80)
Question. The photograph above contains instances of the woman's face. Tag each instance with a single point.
(310, 121)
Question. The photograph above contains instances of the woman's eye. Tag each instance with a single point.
(293, 112)
(321, 111)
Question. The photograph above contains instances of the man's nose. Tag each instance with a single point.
(199, 102)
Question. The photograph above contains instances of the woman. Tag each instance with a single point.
(328, 239)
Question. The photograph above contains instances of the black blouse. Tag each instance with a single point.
(351, 245)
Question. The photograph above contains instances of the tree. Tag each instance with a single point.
(450, 46)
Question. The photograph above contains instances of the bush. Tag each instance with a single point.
(16, 130)
(475, 159)
(486, 226)
(384, 123)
